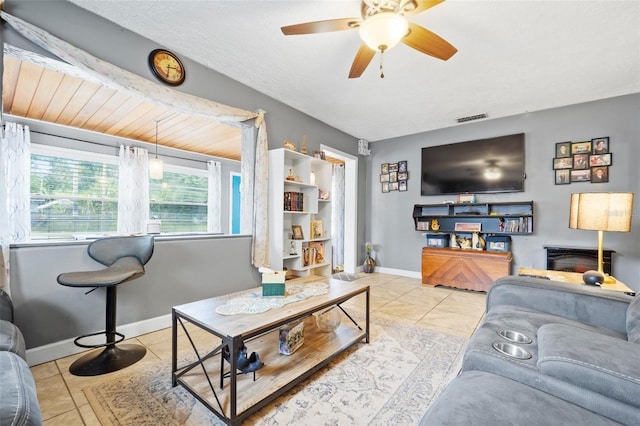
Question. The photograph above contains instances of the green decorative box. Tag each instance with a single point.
(272, 289)
(273, 283)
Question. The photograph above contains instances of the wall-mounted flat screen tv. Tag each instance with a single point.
(476, 166)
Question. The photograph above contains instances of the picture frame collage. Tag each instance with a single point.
(394, 176)
(587, 161)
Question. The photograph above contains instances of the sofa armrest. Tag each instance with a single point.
(588, 304)
(589, 360)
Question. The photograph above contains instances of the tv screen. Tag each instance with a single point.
(483, 165)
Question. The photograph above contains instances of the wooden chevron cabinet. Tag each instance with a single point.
(466, 269)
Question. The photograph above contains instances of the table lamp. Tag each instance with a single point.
(601, 211)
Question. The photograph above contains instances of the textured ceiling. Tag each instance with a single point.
(513, 57)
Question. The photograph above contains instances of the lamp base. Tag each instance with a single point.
(593, 278)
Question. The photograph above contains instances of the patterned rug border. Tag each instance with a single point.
(354, 389)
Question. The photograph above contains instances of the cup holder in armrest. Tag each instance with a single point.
(514, 336)
(511, 350)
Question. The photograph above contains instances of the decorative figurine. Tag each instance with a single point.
(290, 176)
(292, 250)
(303, 146)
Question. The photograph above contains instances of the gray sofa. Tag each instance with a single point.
(583, 364)
(18, 398)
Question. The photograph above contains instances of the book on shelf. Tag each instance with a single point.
(293, 201)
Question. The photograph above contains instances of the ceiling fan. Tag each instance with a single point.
(383, 25)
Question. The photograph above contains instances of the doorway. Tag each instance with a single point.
(350, 206)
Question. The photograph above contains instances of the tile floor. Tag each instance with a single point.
(404, 299)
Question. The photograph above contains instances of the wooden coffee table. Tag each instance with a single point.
(241, 395)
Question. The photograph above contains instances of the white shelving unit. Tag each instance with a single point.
(309, 180)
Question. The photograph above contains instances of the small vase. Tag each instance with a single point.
(368, 265)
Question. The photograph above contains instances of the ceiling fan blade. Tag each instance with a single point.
(429, 43)
(422, 5)
(322, 26)
(361, 61)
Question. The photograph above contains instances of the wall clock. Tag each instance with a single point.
(167, 67)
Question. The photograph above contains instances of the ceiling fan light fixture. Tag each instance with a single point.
(383, 31)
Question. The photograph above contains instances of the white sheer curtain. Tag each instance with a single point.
(133, 190)
(15, 182)
(214, 199)
(337, 215)
(255, 198)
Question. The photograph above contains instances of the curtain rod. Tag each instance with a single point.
(211, 158)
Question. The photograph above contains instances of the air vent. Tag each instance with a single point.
(472, 117)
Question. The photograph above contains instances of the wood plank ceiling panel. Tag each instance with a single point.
(35, 91)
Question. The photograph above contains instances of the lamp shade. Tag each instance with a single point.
(383, 30)
(156, 168)
(601, 211)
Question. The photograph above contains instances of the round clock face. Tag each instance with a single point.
(167, 67)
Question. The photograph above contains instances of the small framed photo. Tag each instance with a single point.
(393, 186)
(403, 175)
(393, 176)
(563, 177)
(297, 232)
(402, 185)
(562, 163)
(563, 149)
(384, 168)
(600, 145)
(581, 175)
(600, 160)
(393, 167)
(316, 229)
(385, 186)
(402, 167)
(599, 174)
(384, 177)
(319, 154)
(467, 227)
(581, 161)
(581, 147)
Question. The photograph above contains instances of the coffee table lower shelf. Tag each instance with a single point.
(279, 374)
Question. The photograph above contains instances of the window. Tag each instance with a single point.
(179, 200)
(72, 192)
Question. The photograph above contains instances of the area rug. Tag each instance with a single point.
(391, 380)
(343, 276)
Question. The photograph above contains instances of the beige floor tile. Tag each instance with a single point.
(45, 370)
(398, 308)
(70, 418)
(451, 320)
(390, 291)
(53, 396)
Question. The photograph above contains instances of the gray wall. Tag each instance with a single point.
(391, 228)
(180, 271)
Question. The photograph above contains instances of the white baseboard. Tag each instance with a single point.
(64, 348)
(399, 272)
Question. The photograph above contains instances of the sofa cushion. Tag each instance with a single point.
(479, 398)
(18, 397)
(11, 339)
(633, 320)
(589, 360)
(6, 306)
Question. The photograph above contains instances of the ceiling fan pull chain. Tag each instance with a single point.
(381, 70)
